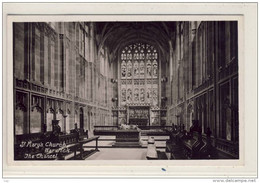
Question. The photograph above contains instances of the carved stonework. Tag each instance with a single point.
(50, 105)
(59, 107)
(48, 31)
(69, 96)
(21, 107)
(38, 109)
(21, 101)
(37, 103)
(156, 108)
(22, 84)
(76, 108)
(163, 113)
(68, 107)
(115, 113)
(39, 25)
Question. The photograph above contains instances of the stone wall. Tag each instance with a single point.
(58, 75)
(203, 77)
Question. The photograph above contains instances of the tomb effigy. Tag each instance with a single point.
(127, 136)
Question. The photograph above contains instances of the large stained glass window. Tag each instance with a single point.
(123, 69)
(155, 69)
(129, 69)
(139, 74)
(148, 69)
(142, 69)
(136, 69)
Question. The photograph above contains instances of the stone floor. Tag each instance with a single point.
(119, 154)
(108, 141)
(107, 152)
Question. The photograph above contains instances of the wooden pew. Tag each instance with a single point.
(20, 150)
(192, 144)
(72, 145)
(75, 143)
(71, 141)
(174, 145)
(85, 154)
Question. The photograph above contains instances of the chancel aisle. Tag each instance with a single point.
(97, 90)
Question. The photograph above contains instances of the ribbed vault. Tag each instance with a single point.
(116, 35)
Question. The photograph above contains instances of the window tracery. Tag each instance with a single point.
(142, 68)
(123, 69)
(139, 74)
(148, 69)
(136, 69)
(129, 69)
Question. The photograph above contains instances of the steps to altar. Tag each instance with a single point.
(109, 141)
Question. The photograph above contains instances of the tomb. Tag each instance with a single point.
(127, 136)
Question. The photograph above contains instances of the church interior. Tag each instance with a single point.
(125, 90)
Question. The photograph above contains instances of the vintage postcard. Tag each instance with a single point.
(109, 89)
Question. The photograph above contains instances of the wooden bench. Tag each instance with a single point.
(74, 147)
(175, 151)
(84, 154)
(84, 141)
(70, 144)
(75, 144)
(71, 141)
(192, 144)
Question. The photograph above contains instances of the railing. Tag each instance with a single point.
(141, 127)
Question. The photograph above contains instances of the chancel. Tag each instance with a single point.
(126, 90)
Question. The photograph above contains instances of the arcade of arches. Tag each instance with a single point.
(161, 76)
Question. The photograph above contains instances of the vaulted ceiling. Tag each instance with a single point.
(115, 35)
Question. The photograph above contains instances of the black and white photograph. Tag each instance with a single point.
(126, 90)
(165, 90)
